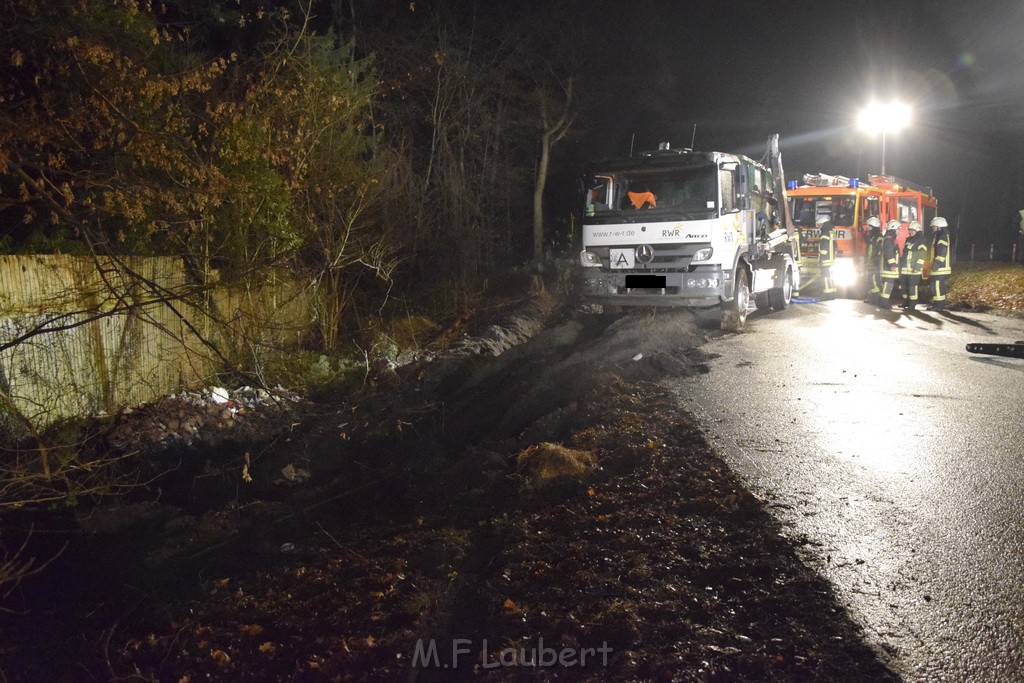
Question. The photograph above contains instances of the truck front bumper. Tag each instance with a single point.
(701, 288)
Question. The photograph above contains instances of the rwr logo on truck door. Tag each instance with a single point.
(671, 232)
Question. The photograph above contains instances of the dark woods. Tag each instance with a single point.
(378, 150)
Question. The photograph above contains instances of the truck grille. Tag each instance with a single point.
(668, 258)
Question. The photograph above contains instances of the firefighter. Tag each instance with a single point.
(888, 263)
(872, 260)
(940, 263)
(915, 253)
(826, 257)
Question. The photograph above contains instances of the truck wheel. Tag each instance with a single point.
(780, 297)
(734, 313)
(762, 301)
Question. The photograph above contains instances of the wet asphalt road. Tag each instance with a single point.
(900, 458)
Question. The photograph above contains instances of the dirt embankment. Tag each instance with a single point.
(498, 504)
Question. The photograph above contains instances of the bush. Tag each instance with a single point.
(312, 372)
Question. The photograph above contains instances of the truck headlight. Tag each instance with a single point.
(844, 273)
(703, 283)
(589, 259)
(703, 254)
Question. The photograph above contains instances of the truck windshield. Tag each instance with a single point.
(806, 210)
(689, 193)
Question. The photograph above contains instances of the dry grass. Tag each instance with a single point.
(411, 331)
(981, 287)
(546, 461)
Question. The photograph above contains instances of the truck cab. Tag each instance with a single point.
(848, 203)
(686, 228)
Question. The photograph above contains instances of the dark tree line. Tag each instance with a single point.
(365, 147)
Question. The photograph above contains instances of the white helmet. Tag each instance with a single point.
(939, 222)
(914, 226)
(874, 222)
(892, 226)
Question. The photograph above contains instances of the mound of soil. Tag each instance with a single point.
(427, 545)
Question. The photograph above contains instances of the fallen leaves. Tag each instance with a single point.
(982, 286)
(657, 555)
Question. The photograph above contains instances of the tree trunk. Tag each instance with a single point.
(553, 132)
(538, 199)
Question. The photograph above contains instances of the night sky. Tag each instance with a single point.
(741, 71)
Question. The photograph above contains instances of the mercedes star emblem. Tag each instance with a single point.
(645, 253)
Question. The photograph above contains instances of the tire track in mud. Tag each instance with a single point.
(501, 397)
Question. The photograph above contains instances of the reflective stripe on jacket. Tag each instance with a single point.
(872, 262)
(940, 255)
(826, 250)
(889, 260)
(915, 253)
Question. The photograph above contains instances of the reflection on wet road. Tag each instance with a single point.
(900, 458)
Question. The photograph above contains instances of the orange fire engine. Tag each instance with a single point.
(848, 203)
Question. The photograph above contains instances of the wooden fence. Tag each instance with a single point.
(123, 334)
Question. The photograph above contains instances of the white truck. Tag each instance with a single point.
(686, 228)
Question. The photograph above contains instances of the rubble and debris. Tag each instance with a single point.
(204, 415)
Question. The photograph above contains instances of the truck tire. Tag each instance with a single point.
(762, 301)
(734, 313)
(780, 297)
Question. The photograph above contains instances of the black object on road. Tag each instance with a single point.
(1014, 350)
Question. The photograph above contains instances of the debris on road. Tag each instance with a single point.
(1014, 350)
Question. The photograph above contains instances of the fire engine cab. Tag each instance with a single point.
(848, 203)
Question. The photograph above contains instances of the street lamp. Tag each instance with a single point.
(884, 117)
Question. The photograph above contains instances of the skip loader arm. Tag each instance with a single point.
(775, 161)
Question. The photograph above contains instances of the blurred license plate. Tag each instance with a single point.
(645, 282)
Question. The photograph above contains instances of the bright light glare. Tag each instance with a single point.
(844, 273)
(879, 117)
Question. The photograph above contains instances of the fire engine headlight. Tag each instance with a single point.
(703, 254)
(703, 283)
(589, 259)
(844, 273)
